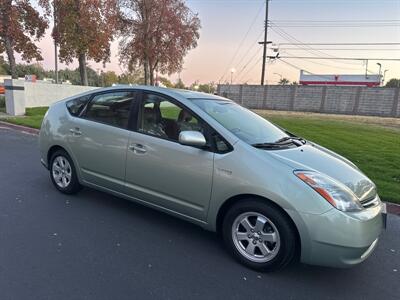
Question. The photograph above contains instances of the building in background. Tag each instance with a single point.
(340, 80)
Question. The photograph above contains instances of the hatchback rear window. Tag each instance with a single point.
(75, 106)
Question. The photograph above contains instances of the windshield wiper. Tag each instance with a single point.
(268, 145)
(293, 139)
(283, 142)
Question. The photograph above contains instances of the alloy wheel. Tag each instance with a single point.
(255, 237)
(61, 171)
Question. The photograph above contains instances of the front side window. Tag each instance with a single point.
(162, 118)
(111, 108)
(246, 125)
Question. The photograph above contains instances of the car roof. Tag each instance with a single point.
(190, 95)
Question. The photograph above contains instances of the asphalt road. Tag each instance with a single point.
(96, 246)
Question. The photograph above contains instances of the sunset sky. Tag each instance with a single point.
(225, 23)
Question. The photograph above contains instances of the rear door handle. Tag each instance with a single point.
(138, 148)
(75, 131)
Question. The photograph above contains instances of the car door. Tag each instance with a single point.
(99, 139)
(161, 171)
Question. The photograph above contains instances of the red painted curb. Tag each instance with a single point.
(20, 128)
(393, 208)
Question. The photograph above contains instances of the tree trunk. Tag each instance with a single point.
(153, 72)
(11, 58)
(82, 69)
(151, 76)
(146, 71)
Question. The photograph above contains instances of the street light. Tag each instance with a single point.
(384, 76)
(233, 70)
(380, 69)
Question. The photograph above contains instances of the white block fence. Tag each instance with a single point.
(21, 94)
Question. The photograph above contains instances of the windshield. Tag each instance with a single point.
(246, 125)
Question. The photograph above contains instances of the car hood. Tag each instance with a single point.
(317, 158)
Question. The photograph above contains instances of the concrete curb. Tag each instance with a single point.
(392, 208)
(20, 128)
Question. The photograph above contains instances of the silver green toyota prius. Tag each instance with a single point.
(273, 197)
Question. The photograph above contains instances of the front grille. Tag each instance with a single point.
(370, 202)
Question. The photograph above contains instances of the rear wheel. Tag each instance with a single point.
(259, 235)
(63, 173)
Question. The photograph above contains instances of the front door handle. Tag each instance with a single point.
(75, 131)
(138, 148)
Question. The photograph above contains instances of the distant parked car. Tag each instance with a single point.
(271, 196)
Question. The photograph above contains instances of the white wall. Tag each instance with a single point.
(44, 94)
(3, 77)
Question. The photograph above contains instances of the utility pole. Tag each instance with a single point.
(265, 43)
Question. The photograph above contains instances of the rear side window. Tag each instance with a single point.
(75, 106)
(111, 108)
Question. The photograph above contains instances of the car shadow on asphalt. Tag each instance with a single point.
(157, 220)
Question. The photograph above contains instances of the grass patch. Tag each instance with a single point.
(374, 149)
(33, 117)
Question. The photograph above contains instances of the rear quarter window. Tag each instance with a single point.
(75, 106)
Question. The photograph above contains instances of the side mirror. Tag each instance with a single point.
(192, 138)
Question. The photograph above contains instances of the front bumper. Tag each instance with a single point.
(339, 239)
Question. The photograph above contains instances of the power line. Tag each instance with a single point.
(338, 58)
(294, 66)
(307, 48)
(248, 51)
(249, 70)
(341, 49)
(340, 44)
(324, 64)
(241, 43)
(338, 25)
(248, 62)
(301, 69)
(334, 21)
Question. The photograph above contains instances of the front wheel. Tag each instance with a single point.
(259, 235)
(63, 173)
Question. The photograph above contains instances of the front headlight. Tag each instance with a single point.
(337, 194)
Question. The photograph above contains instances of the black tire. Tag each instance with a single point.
(284, 254)
(73, 185)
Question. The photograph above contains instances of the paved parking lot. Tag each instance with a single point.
(96, 246)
